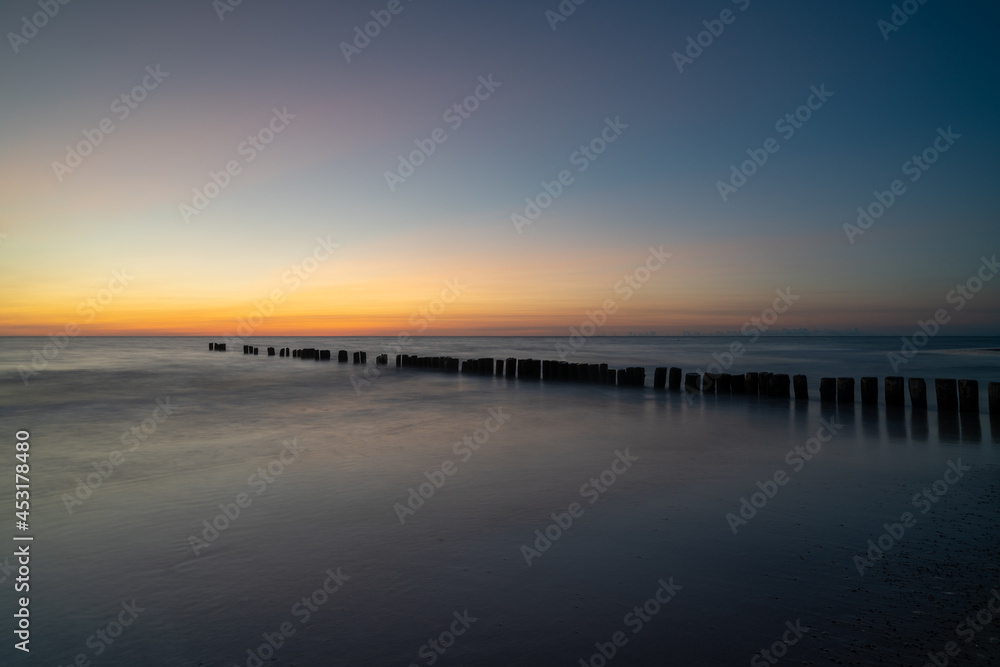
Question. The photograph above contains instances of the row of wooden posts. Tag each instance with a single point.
(952, 395)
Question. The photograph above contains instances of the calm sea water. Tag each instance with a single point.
(120, 486)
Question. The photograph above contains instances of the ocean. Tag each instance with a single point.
(192, 507)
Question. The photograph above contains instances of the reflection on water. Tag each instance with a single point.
(334, 507)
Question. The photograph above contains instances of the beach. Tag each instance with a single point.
(256, 497)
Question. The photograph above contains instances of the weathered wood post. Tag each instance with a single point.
(660, 378)
(270, 351)
(211, 347)
(968, 396)
(708, 383)
(739, 384)
(357, 357)
(828, 390)
(511, 367)
(801, 384)
(766, 384)
(869, 391)
(845, 391)
(894, 397)
(947, 395)
(724, 385)
(256, 350)
(675, 375)
(692, 383)
(918, 394)
(993, 390)
(752, 381)
(499, 367)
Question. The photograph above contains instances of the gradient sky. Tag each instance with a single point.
(323, 176)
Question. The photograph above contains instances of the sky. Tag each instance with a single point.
(188, 167)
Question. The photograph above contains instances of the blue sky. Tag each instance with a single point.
(656, 184)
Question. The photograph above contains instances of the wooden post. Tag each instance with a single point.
(782, 387)
(724, 384)
(801, 384)
(256, 350)
(752, 381)
(845, 391)
(692, 382)
(708, 382)
(947, 395)
(894, 392)
(828, 390)
(211, 347)
(675, 375)
(270, 351)
(968, 396)
(739, 384)
(994, 394)
(660, 378)
(499, 368)
(918, 394)
(511, 367)
(869, 391)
